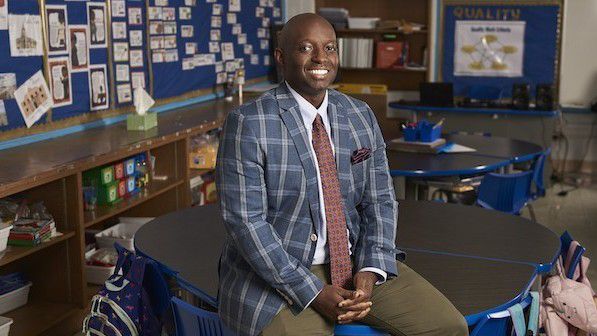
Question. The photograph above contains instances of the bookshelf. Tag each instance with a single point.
(395, 78)
(52, 171)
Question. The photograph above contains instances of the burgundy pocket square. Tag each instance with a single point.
(360, 155)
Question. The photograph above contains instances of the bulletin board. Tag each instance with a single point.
(93, 54)
(499, 44)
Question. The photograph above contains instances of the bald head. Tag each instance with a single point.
(296, 24)
(308, 56)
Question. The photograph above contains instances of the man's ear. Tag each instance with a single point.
(279, 56)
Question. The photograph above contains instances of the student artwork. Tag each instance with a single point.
(57, 42)
(79, 49)
(122, 73)
(237, 29)
(276, 12)
(138, 79)
(156, 28)
(96, 15)
(248, 49)
(255, 59)
(136, 57)
(170, 41)
(119, 30)
(219, 66)
(136, 38)
(241, 38)
(227, 51)
(186, 31)
(157, 56)
(220, 78)
(190, 48)
(121, 51)
(171, 55)
(60, 81)
(261, 33)
(266, 60)
(3, 119)
(259, 12)
(161, 2)
(214, 47)
(231, 18)
(154, 13)
(98, 87)
(216, 9)
(264, 44)
(214, 35)
(156, 42)
(118, 8)
(135, 18)
(3, 14)
(8, 85)
(24, 34)
(168, 14)
(124, 93)
(33, 98)
(265, 22)
(234, 5)
(184, 13)
(188, 64)
(170, 28)
(191, 3)
(216, 21)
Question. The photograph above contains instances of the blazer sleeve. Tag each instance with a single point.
(241, 186)
(378, 210)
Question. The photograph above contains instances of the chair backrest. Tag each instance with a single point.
(566, 240)
(190, 320)
(538, 168)
(498, 323)
(505, 192)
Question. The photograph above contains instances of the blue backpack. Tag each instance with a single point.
(122, 307)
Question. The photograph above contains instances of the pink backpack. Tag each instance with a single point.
(568, 304)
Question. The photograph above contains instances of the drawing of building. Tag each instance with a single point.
(35, 97)
(24, 41)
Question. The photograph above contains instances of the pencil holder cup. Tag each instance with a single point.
(429, 132)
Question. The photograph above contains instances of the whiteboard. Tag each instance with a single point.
(578, 70)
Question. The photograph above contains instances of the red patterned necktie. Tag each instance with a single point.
(340, 265)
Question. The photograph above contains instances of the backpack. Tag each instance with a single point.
(122, 307)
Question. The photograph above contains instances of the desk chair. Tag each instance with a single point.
(505, 192)
(502, 323)
(190, 320)
(566, 239)
(538, 168)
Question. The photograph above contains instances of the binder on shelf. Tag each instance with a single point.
(388, 54)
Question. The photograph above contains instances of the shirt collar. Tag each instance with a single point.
(308, 111)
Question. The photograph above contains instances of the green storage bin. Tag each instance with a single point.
(135, 122)
(98, 176)
(108, 194)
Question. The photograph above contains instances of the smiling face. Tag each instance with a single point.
(308, 55)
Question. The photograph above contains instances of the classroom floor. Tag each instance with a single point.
(576, 212)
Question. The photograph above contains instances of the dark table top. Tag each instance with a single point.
(474, 231)
(491, 153)
(190, 241)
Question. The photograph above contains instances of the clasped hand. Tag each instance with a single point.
(345, 306)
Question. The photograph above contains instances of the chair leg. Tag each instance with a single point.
(532, 212)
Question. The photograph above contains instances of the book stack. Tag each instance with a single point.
(31, 232)
(356, 52)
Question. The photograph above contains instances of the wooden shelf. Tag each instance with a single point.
(36, 317)
(199, 172)
(379, 31)
(13, 253)
(153, 189)
(387, 70)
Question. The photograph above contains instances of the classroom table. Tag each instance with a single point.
(190, 241)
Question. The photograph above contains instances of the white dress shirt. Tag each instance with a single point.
(308, 114)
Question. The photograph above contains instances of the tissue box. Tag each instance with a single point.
(135, 122)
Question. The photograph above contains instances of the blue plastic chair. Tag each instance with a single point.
(566, 239)
(505, 192)
(538, 168)
(499, 323)
(355, 329)
(190, 320)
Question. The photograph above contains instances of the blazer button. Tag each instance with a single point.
(313, 237)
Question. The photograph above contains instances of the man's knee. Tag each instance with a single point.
(454, 326)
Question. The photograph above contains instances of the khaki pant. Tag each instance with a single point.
(405, 305)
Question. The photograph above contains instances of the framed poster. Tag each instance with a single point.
(79, 48)
(98, 87)
(60, 81)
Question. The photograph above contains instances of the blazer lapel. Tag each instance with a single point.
(291, 116)
(341, 137)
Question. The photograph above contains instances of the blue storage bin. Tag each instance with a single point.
(410, 134)
(429, 133)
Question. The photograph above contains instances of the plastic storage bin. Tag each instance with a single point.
(5, 323)
(97, 274)
(362, 22)
(122, 233)
(15, 299)
(4, 232)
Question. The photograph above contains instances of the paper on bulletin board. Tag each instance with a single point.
(3, 119)
(60, 81)
(3, 14)
(33, 98)
(25, 35)
(489, 48)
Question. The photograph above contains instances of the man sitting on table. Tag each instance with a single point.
(310, 210)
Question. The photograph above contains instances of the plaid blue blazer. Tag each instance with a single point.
(267, 184)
